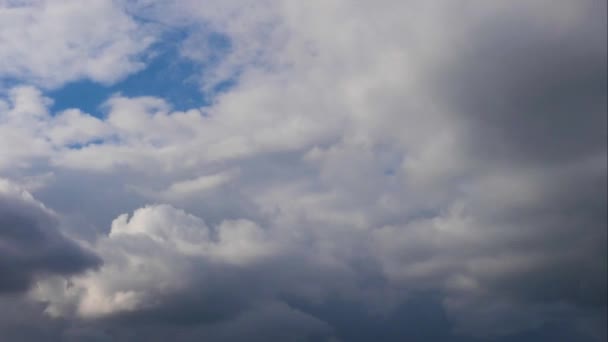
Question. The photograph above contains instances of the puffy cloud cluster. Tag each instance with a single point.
(366, 155)
(166, 267)
(48, 43)
(165, 251)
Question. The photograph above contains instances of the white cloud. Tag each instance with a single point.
(30, 132)
(197, 185)
(49, 43)
(166, 252)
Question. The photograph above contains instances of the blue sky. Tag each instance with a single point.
(167, 74)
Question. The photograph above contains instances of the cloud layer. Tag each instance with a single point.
(31, 244)
(356, 160)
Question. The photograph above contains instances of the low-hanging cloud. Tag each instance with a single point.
(377, 162)
(31, 244)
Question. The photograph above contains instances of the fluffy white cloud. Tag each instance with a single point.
(49, 42)
(30, 132)
(166, 253)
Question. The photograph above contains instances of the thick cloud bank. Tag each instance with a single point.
(31, 244)
(389, 170)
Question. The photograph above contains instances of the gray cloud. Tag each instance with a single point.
(533, 100)
(438, 173)
(31, 244)
(532, 92)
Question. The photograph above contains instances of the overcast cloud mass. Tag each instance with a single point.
(321, 170)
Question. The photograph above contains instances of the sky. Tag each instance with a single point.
(320, 170)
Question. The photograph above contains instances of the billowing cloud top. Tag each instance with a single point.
(293, 171)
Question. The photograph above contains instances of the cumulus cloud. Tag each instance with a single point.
(33, 133)
(49, 43)
(183, 272)
(172, 257)
(367, 154)
(166, 251)
(31, 244)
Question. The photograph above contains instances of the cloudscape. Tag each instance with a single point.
(319, 170)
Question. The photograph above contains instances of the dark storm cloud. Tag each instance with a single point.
(24, 321)
(532, 98)
(532, 92)
(31, 245)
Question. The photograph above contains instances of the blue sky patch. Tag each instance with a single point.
(168, 75)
